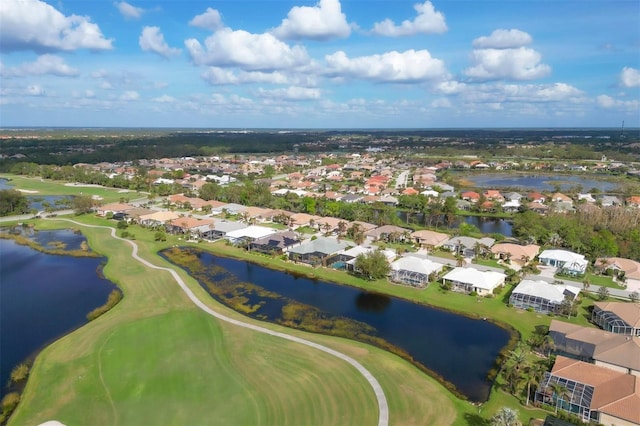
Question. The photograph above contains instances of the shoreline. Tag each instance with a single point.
(514, 334)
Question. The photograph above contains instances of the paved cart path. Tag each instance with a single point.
(383, 416)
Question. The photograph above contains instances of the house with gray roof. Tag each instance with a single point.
(219, 229)
(275, 244)
(414, 271)
(542, 296)
(316, 252)
(467, 245)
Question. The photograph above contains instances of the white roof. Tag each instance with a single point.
(563, 256)
(416, 264)
(545, 290)
(487, 280)
(253, 231)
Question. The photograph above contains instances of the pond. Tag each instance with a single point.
(486, 225)
(39, 202)
(44, 296)
(459, 349)
(543, 182)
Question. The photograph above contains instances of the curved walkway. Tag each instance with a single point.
(383, 407)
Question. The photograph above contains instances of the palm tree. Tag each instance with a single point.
(534, 376)
(459, 260)
(560, 391)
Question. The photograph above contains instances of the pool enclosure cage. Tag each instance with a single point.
(568, 395)
(538, 304)
(412, 278)
(611, 322)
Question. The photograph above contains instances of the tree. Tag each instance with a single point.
(603, 293)
(373, 265)
(561, 392)
(506, 417)
(535, 373)
(82, 204)
(459, 260)
(13, 202)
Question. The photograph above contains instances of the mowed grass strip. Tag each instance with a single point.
(156, 359)
(51, 187)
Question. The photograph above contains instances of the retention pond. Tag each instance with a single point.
(459, 350)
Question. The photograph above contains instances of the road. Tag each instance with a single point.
(383, 407)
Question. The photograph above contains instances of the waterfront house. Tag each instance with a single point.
(157, 218)
(316, 252)
(516, 253)
(467, 246)
(220, 228)
(113, 208)
(599, 347)
(565, 261)
(248, 234)
(594, 393)
(429, 239)
(275, 244)
(542, 296)
(617, 317)
(469, 280)
(190, 226)
(414, 270)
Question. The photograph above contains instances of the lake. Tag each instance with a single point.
(461, 350)
(543, 182)
(43, 296)
(39, 202)
(486, 225)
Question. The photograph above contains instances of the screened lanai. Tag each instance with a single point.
(609, 321)
(566, 394)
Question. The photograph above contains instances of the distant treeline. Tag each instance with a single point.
(62, 149)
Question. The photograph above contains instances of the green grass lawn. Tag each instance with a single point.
(48, 187)
(156, 359)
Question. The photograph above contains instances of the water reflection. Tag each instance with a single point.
(372, 302)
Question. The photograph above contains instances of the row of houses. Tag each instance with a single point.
(596, 373)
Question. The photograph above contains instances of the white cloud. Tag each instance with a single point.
(129, 95)
(129, 11)
(630, 77)
(36, 25)
(503, 39)
(324, 21)
(152, 40)
(524, 93)
(520, 63)
(246, 50)
(35, 90)
(392, 67)
(45, 64)
(607, 102)
(428, 21)
(164, 99)
(441, 103)
(209, 20)
(293, 93)
(222, 76)
(450, 87)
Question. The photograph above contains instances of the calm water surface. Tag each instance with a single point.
(539, 182)
(460, 349)
(43, 296)
(486, 225)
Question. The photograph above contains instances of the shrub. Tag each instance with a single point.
(19, 373)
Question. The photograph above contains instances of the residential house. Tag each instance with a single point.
(559, 197)
(617, 317)
(467, 246)
(609, 201)
(298, 220)
(388, 232)
(429, 239)
(275, 244)
(536, 197)
(316, 252)
(541, 296)
(389, 200)
(471, 196)
(330, 224)
(219, 229)
(597, 394)
(190, 226)
(565, 261)
(599, 347)
(346, 259)
(493, 195)
(413, 270)
(626, 269)
(229, 208)
(516, 253)
(513, 196)
(245, 236)
(156, 219)
(113, 208)
(633, 201)
(538, 207)
(469, 280)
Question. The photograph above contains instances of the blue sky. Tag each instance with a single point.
(320, 64)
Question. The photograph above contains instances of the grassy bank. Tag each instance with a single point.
(155, 359)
